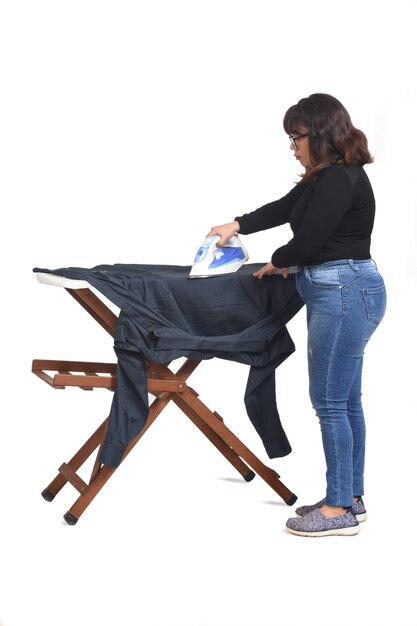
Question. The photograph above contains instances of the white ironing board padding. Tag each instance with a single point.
(61, 281)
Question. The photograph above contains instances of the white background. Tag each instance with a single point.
(128, 129)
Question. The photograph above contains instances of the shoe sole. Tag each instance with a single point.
(346, 532)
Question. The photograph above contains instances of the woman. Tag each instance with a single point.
(331, 213)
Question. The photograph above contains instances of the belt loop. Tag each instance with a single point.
(352, 265)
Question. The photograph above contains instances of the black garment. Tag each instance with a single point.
(165, 315)
(331, 218)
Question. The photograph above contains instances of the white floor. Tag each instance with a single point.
(176, 537)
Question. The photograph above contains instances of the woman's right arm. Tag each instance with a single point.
(272, 214)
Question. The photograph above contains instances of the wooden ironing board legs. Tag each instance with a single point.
(165, 385)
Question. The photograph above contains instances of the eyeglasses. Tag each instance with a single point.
(295, 138)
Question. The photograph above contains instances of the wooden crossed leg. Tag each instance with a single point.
(166, 386)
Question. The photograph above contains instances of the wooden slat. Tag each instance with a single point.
(81, 386)
(85, 380)
(74, 366)
(87, 377)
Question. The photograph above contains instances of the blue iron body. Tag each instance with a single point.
(212, 260)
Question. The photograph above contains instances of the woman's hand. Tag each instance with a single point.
(225, 231)
(269, 270)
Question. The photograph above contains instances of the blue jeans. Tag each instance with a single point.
(345, 302)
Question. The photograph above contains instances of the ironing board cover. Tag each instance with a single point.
(165, 315)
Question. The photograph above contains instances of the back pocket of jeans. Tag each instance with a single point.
(376, 303)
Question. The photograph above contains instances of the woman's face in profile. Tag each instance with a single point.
(300, 145)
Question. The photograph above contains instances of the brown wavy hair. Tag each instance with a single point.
(331, 134)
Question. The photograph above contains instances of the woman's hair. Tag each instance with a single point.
(331, 134)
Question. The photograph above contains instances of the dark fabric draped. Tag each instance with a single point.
(165, 315)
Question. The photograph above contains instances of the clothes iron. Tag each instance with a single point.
(211, 260)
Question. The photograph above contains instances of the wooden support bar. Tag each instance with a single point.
(189, 404)
(79, 506)
(72, 477)
(96, 308)
(74, 366)
(85, 380)
(102, 473)
(76, 461)
(226, 449)
(87, 376)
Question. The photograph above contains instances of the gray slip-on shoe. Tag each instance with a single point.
(358, 509)
(315, 524)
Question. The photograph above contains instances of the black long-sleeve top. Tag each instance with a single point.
(331, 218)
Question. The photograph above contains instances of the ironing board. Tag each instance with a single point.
(163, 384)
